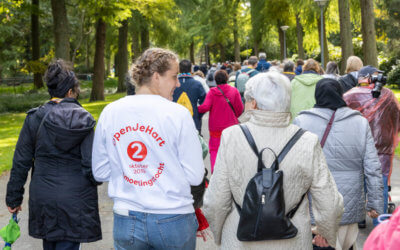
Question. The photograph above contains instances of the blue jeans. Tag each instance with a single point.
(385, 198)
(155, 231)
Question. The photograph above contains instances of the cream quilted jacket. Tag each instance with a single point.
(304, 169)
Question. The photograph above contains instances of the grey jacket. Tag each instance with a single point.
(351, 156)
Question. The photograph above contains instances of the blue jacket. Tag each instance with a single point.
(263, 66)
(196, 94)
(298, 70)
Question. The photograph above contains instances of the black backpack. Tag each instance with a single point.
(262, 216)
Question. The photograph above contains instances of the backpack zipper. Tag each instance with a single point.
(260, 206)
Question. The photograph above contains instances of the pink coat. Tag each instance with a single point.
(221, 114)
(385, 235)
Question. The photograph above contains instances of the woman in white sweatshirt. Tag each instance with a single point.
(147, 148)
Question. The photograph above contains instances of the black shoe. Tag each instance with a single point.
(362, 224)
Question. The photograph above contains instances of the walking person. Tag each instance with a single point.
(190, 93)
(56, 142)
(147, 148)
(350, 80)
(304, 170)
(383, 115)
(350, 152)
(332, 70)
(303, 87)
(225, 106)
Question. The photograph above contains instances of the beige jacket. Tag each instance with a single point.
(304, 169)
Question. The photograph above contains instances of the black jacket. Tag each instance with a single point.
(348, 82)
(56, 141)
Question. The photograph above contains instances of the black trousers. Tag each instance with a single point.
(60, 245)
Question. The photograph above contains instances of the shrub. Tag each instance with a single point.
(394, 76)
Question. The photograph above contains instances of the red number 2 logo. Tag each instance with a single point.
(137, 151)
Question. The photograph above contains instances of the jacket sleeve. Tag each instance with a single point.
(373, 175)
(22, 163)
(202, 93)
(218, 197)
(101, 167)
(327, 202)
(206, 106)
(238, 104)
(86, 154)
(190, 151)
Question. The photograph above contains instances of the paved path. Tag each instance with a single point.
(105, 205)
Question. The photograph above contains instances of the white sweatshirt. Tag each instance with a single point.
(147, 147)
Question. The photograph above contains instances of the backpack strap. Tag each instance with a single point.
(290, 144)
(249, 138)
(250, 71)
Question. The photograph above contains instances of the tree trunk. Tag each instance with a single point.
(122, 55)
(326, 51)
(207, 54)
(135, 44)
(236, 32)
(281, 41)
(368, 33)
(192, 53)
(87, 53)
(61, 30)
(222, 52)
(37, 77)
(346, 40)
(300, 34)
(144, 35)
(256, 44)
(98, 67)
(108, 65)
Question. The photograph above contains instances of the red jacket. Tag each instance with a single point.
(221, 114)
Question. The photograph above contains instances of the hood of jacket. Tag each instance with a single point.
(224, 87)
(67, 124)
(326, 113)
(308, 79)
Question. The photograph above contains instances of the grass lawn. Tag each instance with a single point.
(11, 124)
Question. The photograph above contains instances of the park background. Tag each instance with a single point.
(102, 38)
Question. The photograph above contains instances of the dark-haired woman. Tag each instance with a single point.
(147, 147)
(225, 106)
(56, 142)
(351, 155)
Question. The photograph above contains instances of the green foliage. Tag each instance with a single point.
(394, 76)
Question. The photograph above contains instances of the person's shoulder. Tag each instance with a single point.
(308, 138)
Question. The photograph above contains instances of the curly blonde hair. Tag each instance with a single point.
(151, 61)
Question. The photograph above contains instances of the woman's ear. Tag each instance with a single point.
(254, 104)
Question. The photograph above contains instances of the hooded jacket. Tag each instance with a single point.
(303, 89)
(56, 141)
(351, 156)
(221, 114)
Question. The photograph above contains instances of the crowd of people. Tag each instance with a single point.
(330, 140)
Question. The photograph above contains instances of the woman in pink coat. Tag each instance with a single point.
(225, 106)
(386, 235)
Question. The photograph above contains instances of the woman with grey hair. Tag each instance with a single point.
(304, 169)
